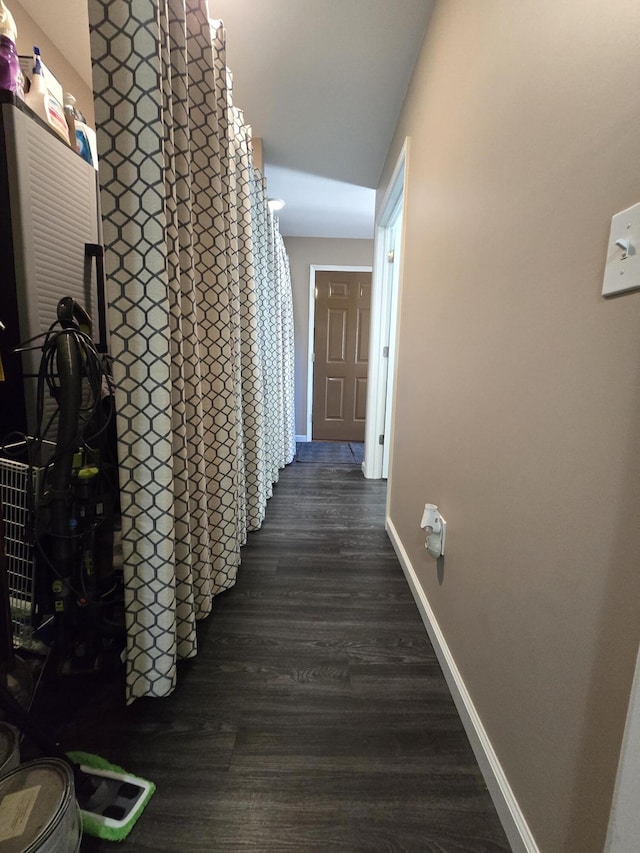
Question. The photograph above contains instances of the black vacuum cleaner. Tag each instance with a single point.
(77, 504)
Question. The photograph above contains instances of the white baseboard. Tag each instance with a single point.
(509, 812)
(301, 438)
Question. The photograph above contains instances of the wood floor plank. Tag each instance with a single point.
(315, 717)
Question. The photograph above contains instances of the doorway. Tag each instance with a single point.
(387, 282)
(341, 355)
(314, 269)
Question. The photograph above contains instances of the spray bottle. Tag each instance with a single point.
(11, 79)
(41, 101)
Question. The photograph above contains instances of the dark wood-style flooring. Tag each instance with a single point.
(315, 717)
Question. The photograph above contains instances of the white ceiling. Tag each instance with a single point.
(320, 81)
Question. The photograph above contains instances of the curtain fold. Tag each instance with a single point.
(200, 315)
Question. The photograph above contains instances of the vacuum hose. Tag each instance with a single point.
(69, 368)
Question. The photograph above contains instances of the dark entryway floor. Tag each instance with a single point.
(330, 452)
(315, 716)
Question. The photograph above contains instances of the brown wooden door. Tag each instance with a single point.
(341, 354)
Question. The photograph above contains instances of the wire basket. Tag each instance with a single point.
(19, 483)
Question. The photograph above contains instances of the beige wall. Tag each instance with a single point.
(525, 139)
(29, 33)
(303, 252)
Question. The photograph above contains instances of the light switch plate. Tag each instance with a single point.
(622, 267)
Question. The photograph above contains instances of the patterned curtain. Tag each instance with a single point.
(201, 322)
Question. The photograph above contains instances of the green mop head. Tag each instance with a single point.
(117, 803)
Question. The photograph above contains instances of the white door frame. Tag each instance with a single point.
(624, 820)
(313, 268)
(385, 297)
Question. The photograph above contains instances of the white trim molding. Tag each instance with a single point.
(623, 835)
(384, 300)
(510, 814)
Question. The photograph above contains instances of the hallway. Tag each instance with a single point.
(315, 716)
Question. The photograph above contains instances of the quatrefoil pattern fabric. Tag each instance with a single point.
(200, 316)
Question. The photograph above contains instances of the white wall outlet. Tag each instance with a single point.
(622, 266)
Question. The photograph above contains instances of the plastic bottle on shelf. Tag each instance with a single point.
(11, 79)
(78, 130)
(70, 116)
(42, 103)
